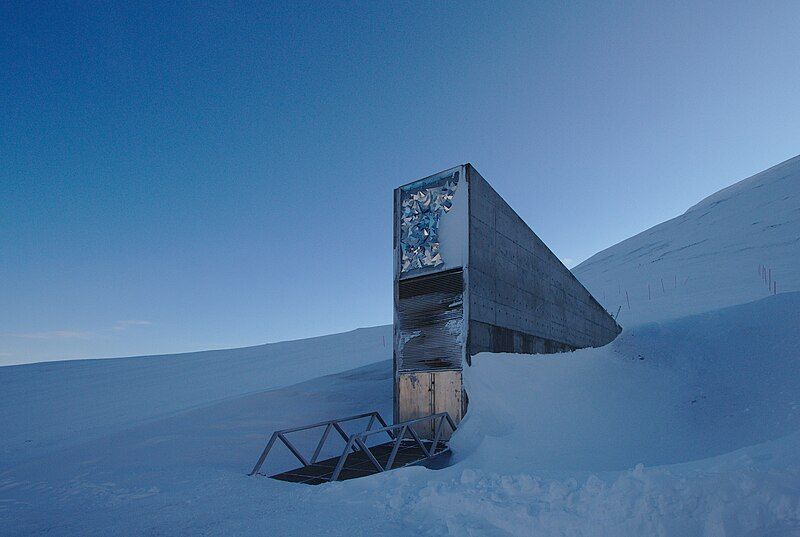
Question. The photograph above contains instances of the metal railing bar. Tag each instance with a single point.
(388, 430)
(293, 450)
(450, 421)
(342, 459)
(409, 422)
(321, 423)
(264, 454)
(396, 447)
(371, 457)
(371, 421)
(343, 435)
(437, 434)
(419, 442)
(321, 443)
(383, 423)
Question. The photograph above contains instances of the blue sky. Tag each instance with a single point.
(182, 177)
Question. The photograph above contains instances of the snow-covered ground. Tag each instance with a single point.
(687, 424)
(54, 404)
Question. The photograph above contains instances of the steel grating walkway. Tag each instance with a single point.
(358, 464)
(358, 459)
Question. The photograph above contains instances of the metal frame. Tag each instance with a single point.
(406, 426)
(331, 424)
(357, 441)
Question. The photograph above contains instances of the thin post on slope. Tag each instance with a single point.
(627, 298)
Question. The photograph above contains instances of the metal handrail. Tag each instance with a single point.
(321, 423)
(330, 424)
(405, 426)
(411, 422)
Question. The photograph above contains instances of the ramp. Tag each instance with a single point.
(358, 459)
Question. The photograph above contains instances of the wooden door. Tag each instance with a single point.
(415, 397)
(447, 397)
(424, 393)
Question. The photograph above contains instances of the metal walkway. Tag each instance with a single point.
(358, 459)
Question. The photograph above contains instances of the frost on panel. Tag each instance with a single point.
(422, 205)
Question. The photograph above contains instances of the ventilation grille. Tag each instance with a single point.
(430, 321)
(451, 281)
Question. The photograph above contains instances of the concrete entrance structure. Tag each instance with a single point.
(470, 276)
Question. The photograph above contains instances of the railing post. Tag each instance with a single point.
(264, 454)
(369, 453)
(437, 434)
(450, 421)
(396, 447)
(321, 443)
(419, 442)
(342, 459)
(383, 424)
(343, 434)
(293, 450)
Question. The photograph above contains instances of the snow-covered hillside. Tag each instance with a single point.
(687, 424)
(54, 404)
(708, 257)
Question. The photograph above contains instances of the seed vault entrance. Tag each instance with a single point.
(470, 276)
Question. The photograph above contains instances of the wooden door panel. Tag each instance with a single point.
(447, 397)
(415, 400)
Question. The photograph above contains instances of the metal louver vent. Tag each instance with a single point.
(451, 281)
(430, 321)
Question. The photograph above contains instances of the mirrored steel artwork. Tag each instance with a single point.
(422, 207)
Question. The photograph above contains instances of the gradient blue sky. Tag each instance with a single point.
(181, 177)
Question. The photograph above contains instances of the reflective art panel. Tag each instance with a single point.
(422, 205)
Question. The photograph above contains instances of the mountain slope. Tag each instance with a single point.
(54, 404)
(708, 257)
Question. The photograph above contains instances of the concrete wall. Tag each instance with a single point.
(521, 297)
(517, 297)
